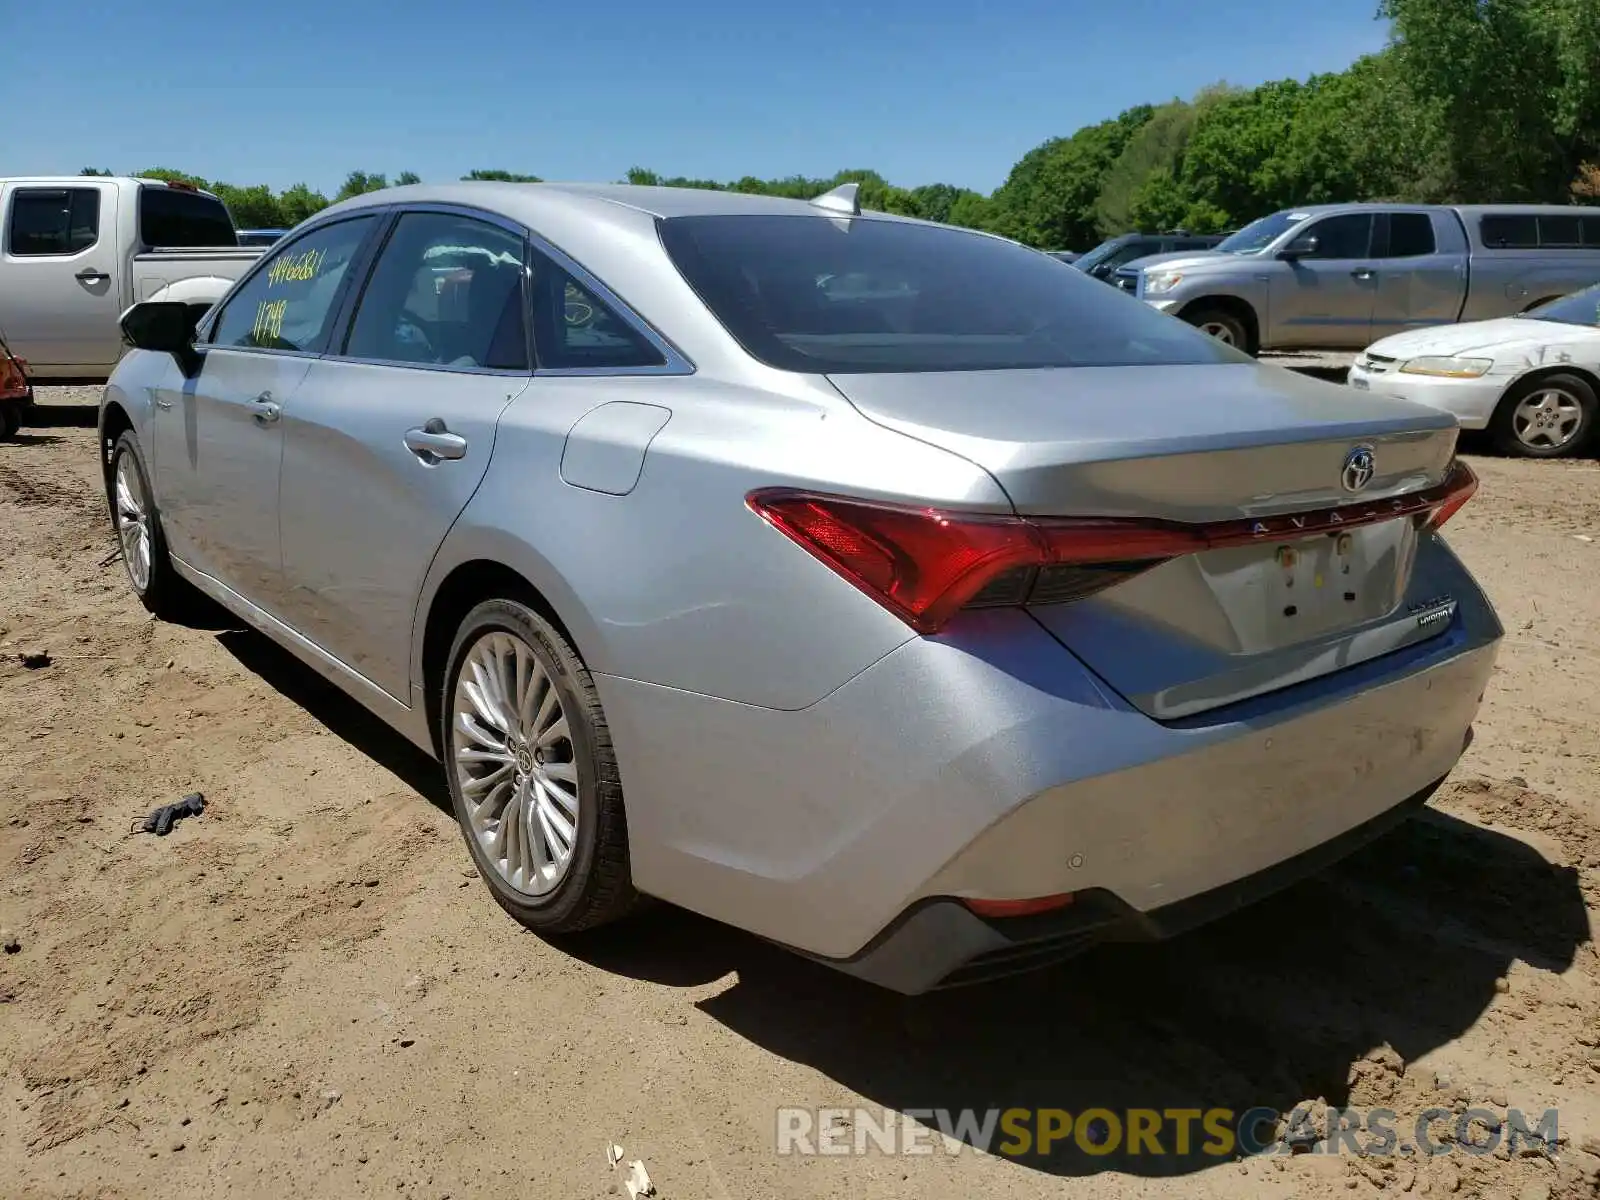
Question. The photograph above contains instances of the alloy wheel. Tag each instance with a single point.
(1547, 418)
(512, 751)
(133, 522)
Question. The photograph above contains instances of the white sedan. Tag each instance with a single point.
(1532, 380)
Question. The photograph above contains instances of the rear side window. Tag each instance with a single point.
(574, 329)
(289, 302)
(447, 292)
(919, 298)
(1560, 231)
(46, 221)
(1591, 231)
(1509, 232)
(171, 218)
(1410, 235)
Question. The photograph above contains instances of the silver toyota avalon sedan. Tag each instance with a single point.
(875, 586)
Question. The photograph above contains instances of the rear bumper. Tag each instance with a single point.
(990, 763)
(940, 943)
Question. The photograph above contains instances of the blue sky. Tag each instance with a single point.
(924, 91)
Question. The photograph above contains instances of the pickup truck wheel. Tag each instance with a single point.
(532, 775)
(1222, 325)
(1548, 417)
(140, 539)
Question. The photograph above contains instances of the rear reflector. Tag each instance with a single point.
(924, 564)
(1018, 908)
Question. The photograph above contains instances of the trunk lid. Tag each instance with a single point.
(1195, 445)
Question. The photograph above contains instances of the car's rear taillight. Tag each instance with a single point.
(925, 564)
(1458, 487)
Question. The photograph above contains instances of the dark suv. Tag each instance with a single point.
(1102, 262)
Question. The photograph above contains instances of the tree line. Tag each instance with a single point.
(1471, 101)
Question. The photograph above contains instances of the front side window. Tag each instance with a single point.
(47, 221)
(447, 291)
(176, 219)
(290, 302)
(1346, 236)
(918, 298)
(574, 329)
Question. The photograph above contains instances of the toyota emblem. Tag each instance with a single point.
(1360, 465)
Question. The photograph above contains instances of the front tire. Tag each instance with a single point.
(1222, 325)
(10, 421)
(1549, 417)
(140, 538)
(533, 778)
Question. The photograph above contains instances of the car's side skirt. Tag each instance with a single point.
(409, 722)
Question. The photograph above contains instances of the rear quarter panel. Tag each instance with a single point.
(678, 583)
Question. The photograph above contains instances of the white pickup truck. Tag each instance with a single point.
(76, 251)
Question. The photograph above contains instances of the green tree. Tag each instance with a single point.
(1155, 149)
(1511, 86)
(1049, 199)
(972, 210)
(359, 183)
(168, 175)
(92, 171)
(406, 178)
(501, 177)
(252, 207)
(300, 202)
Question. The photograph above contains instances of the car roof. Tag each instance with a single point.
(535, 202)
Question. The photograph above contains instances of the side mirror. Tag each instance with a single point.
(1303, 246)
(166, 327)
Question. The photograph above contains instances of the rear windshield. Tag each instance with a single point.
(172, 218)
(825, 295)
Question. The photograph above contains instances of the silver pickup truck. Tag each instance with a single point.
(1341, 276)
(77, 251)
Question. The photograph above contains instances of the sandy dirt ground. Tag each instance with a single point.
(304, 992)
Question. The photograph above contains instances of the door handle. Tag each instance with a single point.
(1362, 273)
(433, 442)
(90, 275)
(265, 409)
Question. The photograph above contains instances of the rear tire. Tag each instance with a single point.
(1549, 417)
(1222, 325)
(140, 538)
(10, 421)
(532, 775)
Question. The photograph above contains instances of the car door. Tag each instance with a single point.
(218, 440)
(1324, 284)
(62, 273)
(1420, 282)
(389, 435)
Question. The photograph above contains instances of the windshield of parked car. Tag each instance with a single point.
(1091, 260)
(1580, 308)
(836, 295)
(1261, 233)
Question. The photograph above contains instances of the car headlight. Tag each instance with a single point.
(1156, 282)
(1447, 367)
